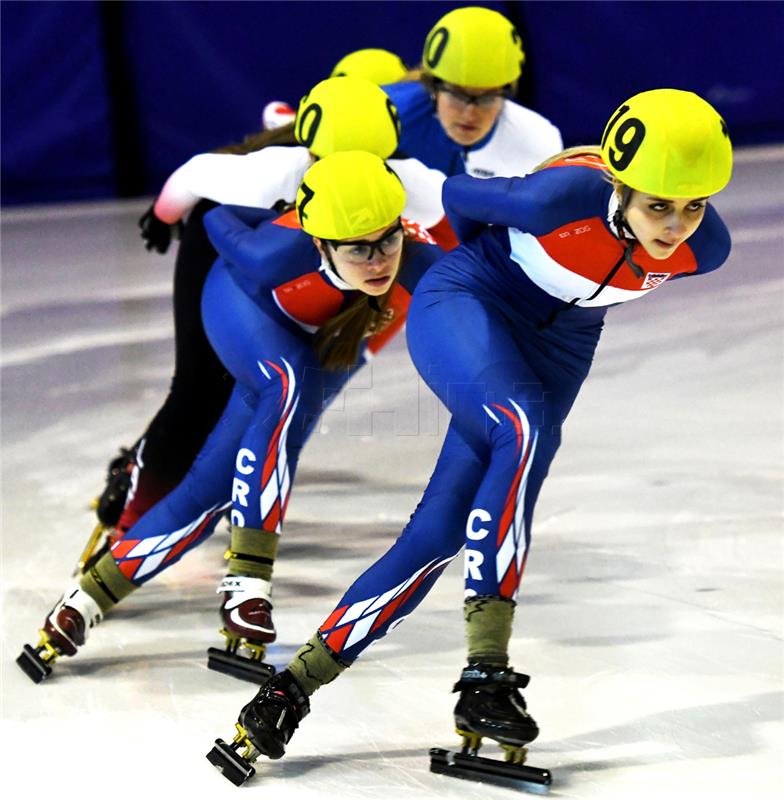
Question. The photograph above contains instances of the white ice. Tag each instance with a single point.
(651, 610)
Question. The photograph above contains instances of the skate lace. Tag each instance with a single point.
(239, 588)
(477, 675)
(292, 709)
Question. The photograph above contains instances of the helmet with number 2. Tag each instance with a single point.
(668, 143)
(346, 195)
(474, 47)
(347, 113)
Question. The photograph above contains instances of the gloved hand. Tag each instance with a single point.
(156, 233)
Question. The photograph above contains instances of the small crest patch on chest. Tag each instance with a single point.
(653, 279)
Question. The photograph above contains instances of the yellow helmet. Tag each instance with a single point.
(668, 143)
(474, 47)
(347, 195)
(379, 66)
(347, 114)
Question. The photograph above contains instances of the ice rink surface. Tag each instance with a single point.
(650, 616)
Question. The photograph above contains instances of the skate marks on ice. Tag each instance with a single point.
(682, 750)
(67, 333)
(678, 733)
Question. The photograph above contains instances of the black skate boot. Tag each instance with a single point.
(111, 503)
(491, 705)
(65, 630)
(265, 727)
(246, 612)
(108, 508)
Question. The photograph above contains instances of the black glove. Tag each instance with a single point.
(156, 233)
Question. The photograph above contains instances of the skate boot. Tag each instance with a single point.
(111, 503)
(265, 727)
(65, 630)
(246, 612)
(491, 705)
(108, 508)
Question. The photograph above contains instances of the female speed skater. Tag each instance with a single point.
(338, 114)
(459, 116)
(292, 307)
(541, 260)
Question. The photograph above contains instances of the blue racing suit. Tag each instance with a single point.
(504, 329)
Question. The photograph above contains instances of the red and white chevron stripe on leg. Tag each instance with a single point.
(275, 485)
(350, 624)
(138, 558)
(512, 545)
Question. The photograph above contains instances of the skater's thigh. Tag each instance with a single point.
(469, 356)
(253, 344)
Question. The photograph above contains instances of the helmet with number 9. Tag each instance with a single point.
(347, 113)
(668, 143)
(379, 66)
(347, 195)
(474, 47)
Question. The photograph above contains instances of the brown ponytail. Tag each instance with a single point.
(338, 341)
(284, 135)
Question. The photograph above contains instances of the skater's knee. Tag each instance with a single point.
(275, 378)
(434, 536)
(512, 425)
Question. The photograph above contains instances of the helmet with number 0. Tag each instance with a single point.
(347, 114)
(374, 64)
(668, 143)
(347, 195)
(474, 47)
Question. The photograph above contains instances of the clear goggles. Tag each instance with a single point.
(457, 98)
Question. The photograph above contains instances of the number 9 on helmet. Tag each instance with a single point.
(668, 143)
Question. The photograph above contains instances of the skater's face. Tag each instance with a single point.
(662, 224)
(467, 114)
(369, 264)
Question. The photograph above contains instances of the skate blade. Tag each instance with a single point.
(237, 666)
(89, 549)
(33, 665)
(230, 763)
(489, 770)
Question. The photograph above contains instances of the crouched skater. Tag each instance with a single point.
(293, 307)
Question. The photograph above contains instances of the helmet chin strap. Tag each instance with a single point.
(622, 226)
(331, 263)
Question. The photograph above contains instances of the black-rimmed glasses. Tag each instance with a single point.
(361, 250)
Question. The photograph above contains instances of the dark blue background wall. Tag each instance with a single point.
(105, 99)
